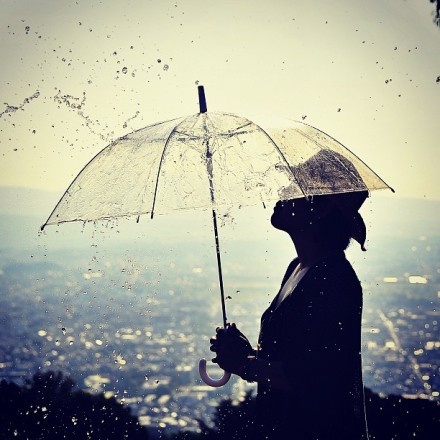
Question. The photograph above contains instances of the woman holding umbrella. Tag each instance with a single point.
(308, 360)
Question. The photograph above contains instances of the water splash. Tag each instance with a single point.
(77, 104)
(12, 109)
(130, 119)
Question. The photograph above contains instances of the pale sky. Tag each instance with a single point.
(80, 74)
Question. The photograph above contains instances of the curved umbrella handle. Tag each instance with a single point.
(209, 380)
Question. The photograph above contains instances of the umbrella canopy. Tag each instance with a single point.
(210, 160)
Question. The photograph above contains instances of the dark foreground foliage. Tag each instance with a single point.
(437, 12)
(389, 418)
(232, 420)
(47, 407)
(396, 418)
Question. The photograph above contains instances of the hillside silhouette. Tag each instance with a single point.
(389, 418)
(48, 406)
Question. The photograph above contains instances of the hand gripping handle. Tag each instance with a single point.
(209, 380)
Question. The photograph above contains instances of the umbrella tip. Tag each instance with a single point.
(202, 99)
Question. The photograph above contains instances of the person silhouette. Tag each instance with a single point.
(307, 363)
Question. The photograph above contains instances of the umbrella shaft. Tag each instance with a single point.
(219, 265)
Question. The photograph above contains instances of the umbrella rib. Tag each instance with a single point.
(158, 171)
(173, 131)
(236, 129)
(282, 156)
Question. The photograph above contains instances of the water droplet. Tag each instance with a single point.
(124, 70)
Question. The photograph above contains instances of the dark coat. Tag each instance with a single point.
(316, 333)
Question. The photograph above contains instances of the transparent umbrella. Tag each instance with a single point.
(210, 160)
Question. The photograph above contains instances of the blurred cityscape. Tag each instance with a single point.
(134, 324)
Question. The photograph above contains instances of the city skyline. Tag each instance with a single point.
(114, 323)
